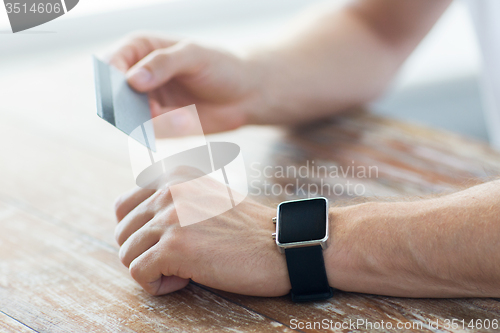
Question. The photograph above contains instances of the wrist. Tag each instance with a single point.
(370, 248)
(277, 89)
(346, 255)
(259, 72)
(337, 251)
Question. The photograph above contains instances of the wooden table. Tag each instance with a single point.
(61, 168)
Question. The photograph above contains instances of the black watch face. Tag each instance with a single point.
(301, 221)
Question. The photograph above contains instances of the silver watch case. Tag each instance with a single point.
(283, 246)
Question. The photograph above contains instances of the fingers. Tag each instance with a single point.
(134, 48)
(174, 122)
(132, 222)
(138, 243)
(182, 122)
(161, 65)
(147, 271)
(224, 118)
(169, 284)
(129, 53)
(146, 205)
(125, 203)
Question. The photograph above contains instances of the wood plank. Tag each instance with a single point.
(416, 314)
(11, 325)
(58, 280)
(424, 162)
(83, 167)
(69, 166)
(91, 184)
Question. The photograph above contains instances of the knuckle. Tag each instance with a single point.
(181, 170)
(122, 255)
(175, 240)
(183, 205)
(184, 172)
(118, 233)
(137, 36)
(153, 229)
(189, 45)
(136, 274)
(160, 56)
(170, 216)
(162, 197)
(160, 224)
(135, 271)
(150, 290)
(118, 206)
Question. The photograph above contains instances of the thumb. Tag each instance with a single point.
(158, 67)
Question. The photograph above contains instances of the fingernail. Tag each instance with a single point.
(140, 76)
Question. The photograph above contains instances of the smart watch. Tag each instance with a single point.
(302, 234)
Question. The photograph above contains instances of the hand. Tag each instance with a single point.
(233, 251)
(225, 88)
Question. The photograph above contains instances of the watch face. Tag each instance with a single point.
(302, 221)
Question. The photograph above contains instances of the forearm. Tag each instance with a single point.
(441, 247)
(340, 59)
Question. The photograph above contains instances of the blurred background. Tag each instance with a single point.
(48, 67)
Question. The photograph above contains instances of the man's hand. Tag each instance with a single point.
(343, 58)
(225, 88)
(233, 251)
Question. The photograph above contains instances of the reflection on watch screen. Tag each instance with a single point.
(302, 221)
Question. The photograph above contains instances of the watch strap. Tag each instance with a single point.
(306, 269)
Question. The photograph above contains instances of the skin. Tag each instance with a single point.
(233, 251)
(441, 247)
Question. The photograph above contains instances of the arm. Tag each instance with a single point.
(336, 59)
(340, 59)
(441, 247)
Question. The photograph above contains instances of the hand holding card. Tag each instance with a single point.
(121, 106)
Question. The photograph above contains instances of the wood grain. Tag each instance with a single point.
(61, 168)
(9, 324)
(59, 280)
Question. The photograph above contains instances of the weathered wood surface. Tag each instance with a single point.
(9, 324)
(61, 168)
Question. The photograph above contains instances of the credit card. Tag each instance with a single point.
(122, 106)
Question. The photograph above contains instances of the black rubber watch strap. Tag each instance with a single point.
(306, 269)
